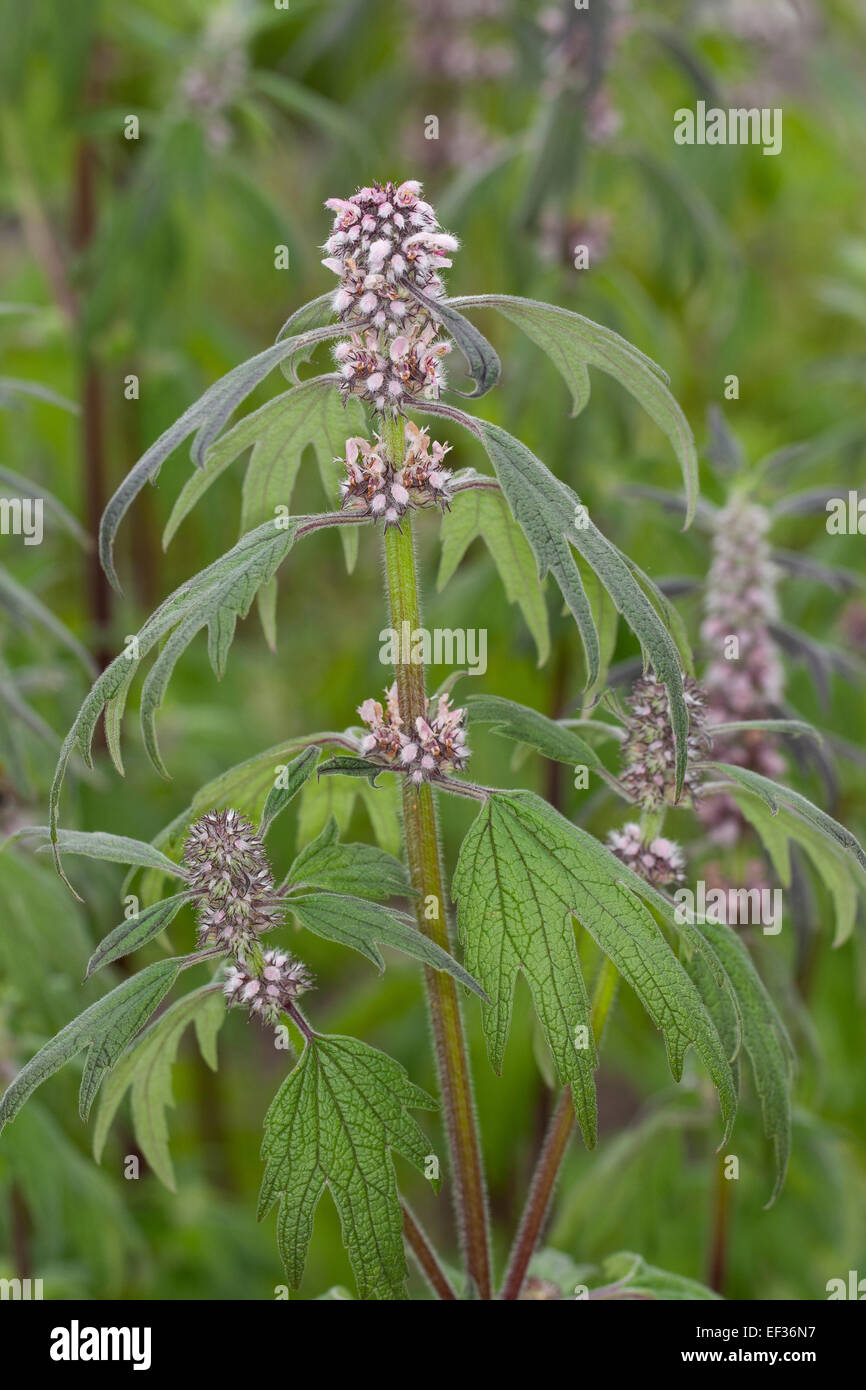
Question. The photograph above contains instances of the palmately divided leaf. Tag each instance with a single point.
(574, 343)
(205, 419)
(214, 599)
(484, 512)
(360, 924)
(335, 1122)
(364, 870)
(318, 313)
(146, 1067)
(525, 725)
(523, 874)
(131, 935)
(290, 782)
(553, 521)
(217, 606)
(278, 433)
(105, 1029)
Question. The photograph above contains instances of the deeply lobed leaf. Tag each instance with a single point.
(146, 1068)
(334, 1123)
(524, 872)
(574, 343)
(104, 1030)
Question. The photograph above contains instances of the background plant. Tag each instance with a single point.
(698, 324)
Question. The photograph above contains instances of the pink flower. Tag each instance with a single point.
(385, 245)
(440, 746)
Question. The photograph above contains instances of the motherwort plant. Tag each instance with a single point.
(747, 643)
(535, 894)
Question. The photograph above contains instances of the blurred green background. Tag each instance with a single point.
(155, 257)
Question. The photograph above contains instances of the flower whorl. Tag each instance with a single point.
(659, 861)
(437, 744)
(648, 749)
(387, 248)
(232, 881)
(268, 994)
(375, 487)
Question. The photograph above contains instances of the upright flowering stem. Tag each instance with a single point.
(425, 869)
(553, 1150)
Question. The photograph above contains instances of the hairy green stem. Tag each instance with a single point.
(651, 823)
(425, 870)
(553, 1149)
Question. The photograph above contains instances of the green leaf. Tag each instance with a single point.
(770, 830)
(553, 521)
(131, 935)
(774, 795)
(360, 924)
(524, 872)
(335, 1122)
(667, 612)
(525, 725)
(574, 343)
(606, 619)
(481, 357)
(115, 707)
(216, 604)
(351, 767)
(318, 313)
(843, 880)
(382, 803)
(104, 1030)
(291, 779)
(338, 796)
(484, 512)
(364, 870)
(206, 418)
(248, 784)
(99, 844)
(766, 1042)
(146, 1067)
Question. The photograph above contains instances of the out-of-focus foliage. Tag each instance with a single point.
(170, 257)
